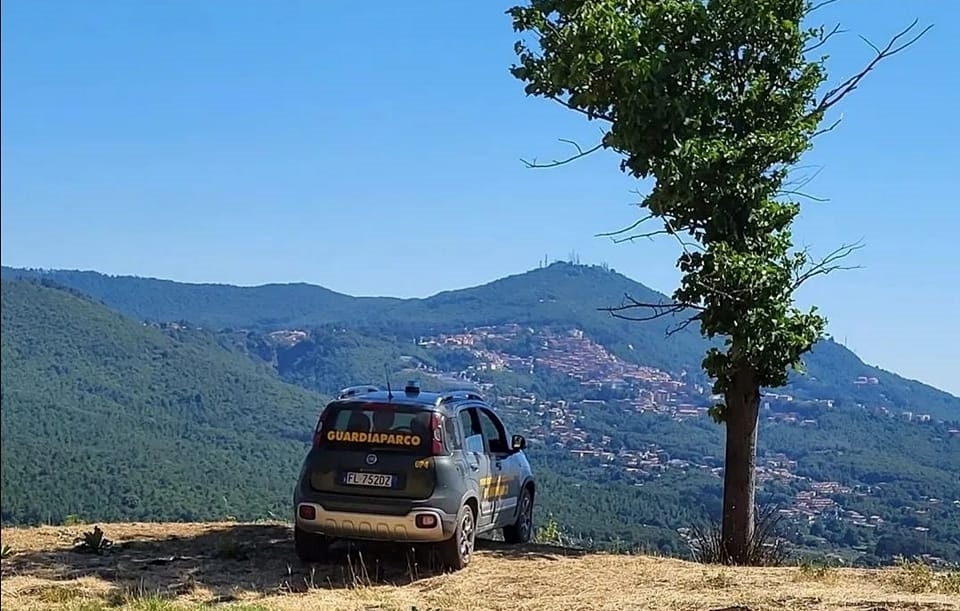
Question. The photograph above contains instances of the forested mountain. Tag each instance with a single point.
(106, 417)
(560, 294)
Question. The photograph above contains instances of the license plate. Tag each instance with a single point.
(377, 480)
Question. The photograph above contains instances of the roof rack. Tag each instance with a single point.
(462, 395)
(352, 391)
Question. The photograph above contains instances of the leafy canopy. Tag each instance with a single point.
(716, 101)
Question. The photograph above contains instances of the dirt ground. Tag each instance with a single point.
(253, 566)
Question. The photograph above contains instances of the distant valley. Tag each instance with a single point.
(860, 462)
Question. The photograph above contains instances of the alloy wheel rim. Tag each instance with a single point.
(525, 516)
(466, 536)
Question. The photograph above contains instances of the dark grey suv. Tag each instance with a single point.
(412, 467)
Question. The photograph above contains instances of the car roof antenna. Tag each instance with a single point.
(386, 373)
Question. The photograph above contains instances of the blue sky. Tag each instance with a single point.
(374, 148)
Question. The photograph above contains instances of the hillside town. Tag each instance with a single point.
(571, 353)
(638, 389)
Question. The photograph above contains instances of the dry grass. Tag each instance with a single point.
(167, 567)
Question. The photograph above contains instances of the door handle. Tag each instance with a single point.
(474, 467)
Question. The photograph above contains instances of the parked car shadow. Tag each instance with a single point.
(224, 560)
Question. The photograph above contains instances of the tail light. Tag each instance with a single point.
(436, 446)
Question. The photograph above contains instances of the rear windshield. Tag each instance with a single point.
(376, 426)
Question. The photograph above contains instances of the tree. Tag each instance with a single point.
(717, 101)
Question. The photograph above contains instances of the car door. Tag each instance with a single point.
(478, 463)
(504, 486)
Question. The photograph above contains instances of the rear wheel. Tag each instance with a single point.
(522, 530)
(456, 552)
(310, 547)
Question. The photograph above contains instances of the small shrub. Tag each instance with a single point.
(87, 604)
(816, 570)
(548, 533)
(917, 577)
(950, 583)
(60, 594)
(154, 603)
(617, 545)
(135, 597)
(92, 542)
(914, 576)
(72, 520)
(717, 581)
(765, 548)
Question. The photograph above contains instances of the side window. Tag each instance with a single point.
(493, 432)
(466, 422)
(473, 436)
(451, 434)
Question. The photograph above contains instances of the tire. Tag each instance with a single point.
(457, 551)
(310, 547)
(522, 530)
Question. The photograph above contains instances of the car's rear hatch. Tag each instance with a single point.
(374, 449)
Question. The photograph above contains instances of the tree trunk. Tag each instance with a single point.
(739, 475)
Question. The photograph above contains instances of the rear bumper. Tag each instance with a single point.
(377, 527)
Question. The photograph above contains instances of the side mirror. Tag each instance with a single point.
(518, 443)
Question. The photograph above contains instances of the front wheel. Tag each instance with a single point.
(310, 547)
(456, 552)
(522, 530)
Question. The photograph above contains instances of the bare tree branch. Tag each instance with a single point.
(828, 264)
(623, 235)
(581, 153)
(626, 229)
(825, 36)
(649, 235)
(800, 183)
(805, 181)
(657, 310)
(804, 195)
(829, 128)
(794, 187)
(892, 48)
(680, 327)
(685, 245)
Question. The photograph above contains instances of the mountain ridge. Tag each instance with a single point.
(306, 303)
(554, 294)
(9, 272)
